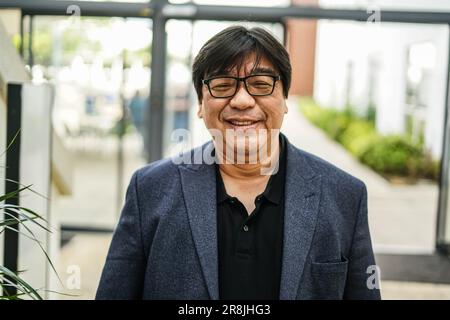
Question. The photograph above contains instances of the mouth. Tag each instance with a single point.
(242, 124)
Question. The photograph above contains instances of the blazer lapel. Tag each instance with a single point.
(199, 189)
(302, 194)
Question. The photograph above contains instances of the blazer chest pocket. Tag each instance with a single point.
(329, 279)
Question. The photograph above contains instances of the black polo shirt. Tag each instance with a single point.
(250, 246)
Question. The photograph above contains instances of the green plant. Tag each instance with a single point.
(310, 109)
(389, 155)
(338, 124)
(371, 113)
(18, 216)
(329, 120)
(430, 168)
(358, 136)
(11, 218)
(393, 155)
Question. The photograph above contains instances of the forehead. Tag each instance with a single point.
(249, 64)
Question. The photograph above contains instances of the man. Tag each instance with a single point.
(227, 229)
(137, 108)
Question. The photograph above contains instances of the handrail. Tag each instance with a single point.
(193, 11)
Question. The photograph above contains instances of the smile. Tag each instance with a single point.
(243, 125)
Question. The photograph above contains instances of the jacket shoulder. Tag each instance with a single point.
(156, 178)
(330, 172)
(157, 169)
(164, 173)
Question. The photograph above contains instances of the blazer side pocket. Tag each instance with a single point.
(328, 279)
(329, 267)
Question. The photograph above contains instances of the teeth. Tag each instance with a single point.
(242, 123)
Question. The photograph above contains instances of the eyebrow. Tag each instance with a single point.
(263, 70)
(259, 70)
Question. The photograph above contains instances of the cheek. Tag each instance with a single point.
(211, 111)
(275, 114)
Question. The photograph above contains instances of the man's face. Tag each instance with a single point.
(244, 112)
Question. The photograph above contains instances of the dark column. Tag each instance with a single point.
(155, 112)
(21, 34)
(12, 175)
(30, 42)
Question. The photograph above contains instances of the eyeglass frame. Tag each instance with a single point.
(243, 79)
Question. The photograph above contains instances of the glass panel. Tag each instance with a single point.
(100, 70)
(179, 96)
(382, 87)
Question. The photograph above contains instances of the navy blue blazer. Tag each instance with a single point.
(165, 244)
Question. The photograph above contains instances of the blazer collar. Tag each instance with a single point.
(302, 194)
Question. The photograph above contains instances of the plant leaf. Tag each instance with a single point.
(35, 192)
(39, 243)
(10, 144)
(13, 193)
(24, 234)
(20, 283)
(27, 218)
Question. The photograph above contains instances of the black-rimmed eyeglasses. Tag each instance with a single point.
(227, 86)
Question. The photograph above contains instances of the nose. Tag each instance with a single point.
(242, 99)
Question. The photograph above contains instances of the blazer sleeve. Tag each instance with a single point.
(363, 276)
(123, 273)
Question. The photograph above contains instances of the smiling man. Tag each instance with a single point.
(265, 220)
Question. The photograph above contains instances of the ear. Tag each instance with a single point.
(200, 110)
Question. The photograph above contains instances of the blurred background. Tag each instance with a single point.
(102, 85)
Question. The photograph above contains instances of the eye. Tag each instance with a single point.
(260, 84)
(222, 87)
(222, 84)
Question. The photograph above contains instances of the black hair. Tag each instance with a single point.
(228, 50)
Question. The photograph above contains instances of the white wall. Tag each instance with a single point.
(37, 101)
(340, 42)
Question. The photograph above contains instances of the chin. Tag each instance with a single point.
(246, 147)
